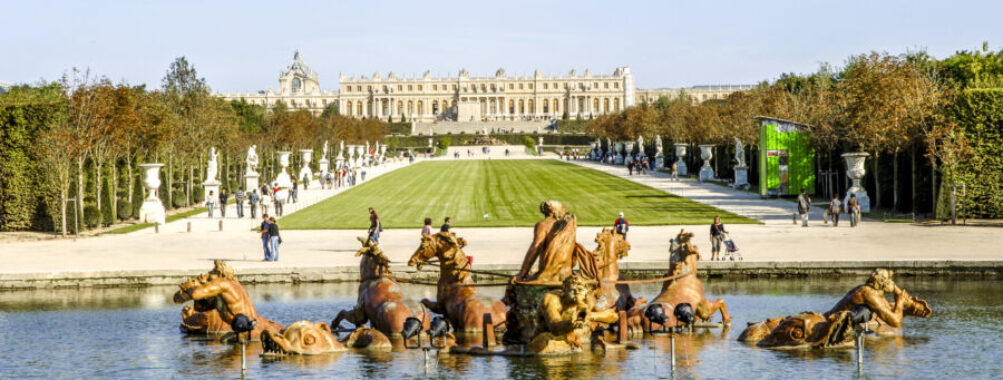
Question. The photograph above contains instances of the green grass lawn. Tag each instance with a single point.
(493, 193)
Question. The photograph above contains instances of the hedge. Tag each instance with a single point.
(980, 112)
(28, 200)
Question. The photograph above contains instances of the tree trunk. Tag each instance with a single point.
(114, 191)
(895, 181)
(912, 179)
(170, 180)
(933, 191)
(188, 188)
(80, 188)
(64, 190)
(128, 172)
(97, 183)
(877, 182)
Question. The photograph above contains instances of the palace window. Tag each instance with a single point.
(520, 86)
(510, 86)
(530, 86)
(400, 88)
(595, 85)
(616, 84)
(358, 88)
(454, 87)
(544, 87)
(410, 88)
(435, 87)
(348, 89)
(605, 85)
(369, 88)
(419, 87)
(555, 85)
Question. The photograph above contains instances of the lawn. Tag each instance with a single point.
(493, 193)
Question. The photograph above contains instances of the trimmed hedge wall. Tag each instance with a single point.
(395, 142)
(980, 112)
(28, 201)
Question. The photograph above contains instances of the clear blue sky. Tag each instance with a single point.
(242, 45)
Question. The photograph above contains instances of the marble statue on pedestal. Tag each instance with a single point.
(659, 154)
(640, 146)
(251, 176)
(211, 184)
(741, 170)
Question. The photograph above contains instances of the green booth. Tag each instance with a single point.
(786, 158)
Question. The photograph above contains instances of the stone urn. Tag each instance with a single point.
(619, 154)
(152, 210)
(284, 181)
(305, 172)
(680, 161)
(855, 171)
(706, 171)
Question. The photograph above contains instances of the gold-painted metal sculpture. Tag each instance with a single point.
(380, 301)
(834, 328)
(456, 300)
(683, 286)
(308, 338)
(566, 317)
(218, 294)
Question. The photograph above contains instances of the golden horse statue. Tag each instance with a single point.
(220, 291)
(683, 287)
(834, 328)
(460, 304)
(611, 248)
(380, 300)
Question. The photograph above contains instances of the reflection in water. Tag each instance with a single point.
(133, 333)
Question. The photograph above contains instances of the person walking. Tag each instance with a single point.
(375, 227)
(630, 166)
(210, 202)
(275, 239)
(238, 199)
(621, 225)
(292, 193)
(448, 223)
(853, 209)
(717, 237)
(223, 198)
(834, 209)
(427, 229)
(265, 237)
(266, 200)
(253, 200)
(804, 207)
(675, 172)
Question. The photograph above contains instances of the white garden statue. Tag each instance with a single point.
(252, 159)
(212, 166)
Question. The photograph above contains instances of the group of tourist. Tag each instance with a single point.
(639, 164)
(834, 208)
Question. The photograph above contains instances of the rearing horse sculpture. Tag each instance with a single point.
(684, 287)
(612, 247)
(380, 300)
(460, 304)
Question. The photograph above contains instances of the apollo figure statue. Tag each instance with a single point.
(739, 153)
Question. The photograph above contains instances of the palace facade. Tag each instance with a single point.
(469, 98)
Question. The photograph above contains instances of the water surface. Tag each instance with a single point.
(131, 333)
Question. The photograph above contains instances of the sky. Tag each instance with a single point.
(241, 46)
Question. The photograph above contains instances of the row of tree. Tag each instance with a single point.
(94, 133)
(900, 108)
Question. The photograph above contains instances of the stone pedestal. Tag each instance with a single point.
(305, 172)
(152, 210)
(741, 177)
(855, 171)
(324, 167)
(706, 171)
(284, 181)
(211, 186)
(251, 181)
(680, 161)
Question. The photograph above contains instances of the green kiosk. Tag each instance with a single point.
(786, 158)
